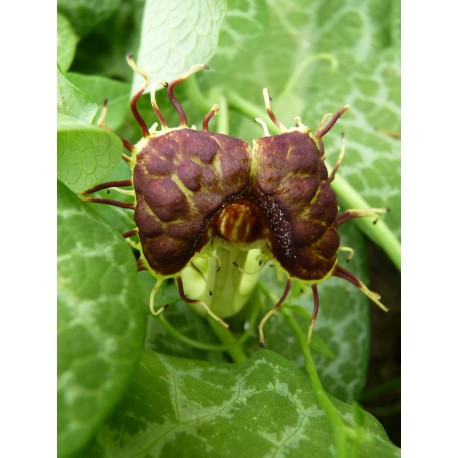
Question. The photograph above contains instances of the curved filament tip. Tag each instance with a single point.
(133, 104)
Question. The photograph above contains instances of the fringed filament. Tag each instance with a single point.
(323, 121)
(103, 116)
(348, 276)
(115, 203)
(128, 146)
(201, 303)
(107, 185)
(158, 112)
(263, 125)
(133, 104)
(153, 296)
(349, 250)
(141, 265)
(271, 114)
(243, 271)
(316, 304)
(272, 311)
(203, 276)
(131, 233)
(339, 159)
(347, 215)
(214, 110)
(174, 101)
(321, 133)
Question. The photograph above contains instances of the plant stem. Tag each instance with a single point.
(249, 109)
(300, 69)
(223, 116)
(195, 95)
(197, 344)
(337, 424)
(227, 338)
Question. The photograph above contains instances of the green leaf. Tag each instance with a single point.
(395, 22)
(262, 407)
(66, 42)
(86, 153)
(73, 102)
(100, 321)
(242, 32)
(100, 88)
(86, 14)
(103, 51)
(176, 35)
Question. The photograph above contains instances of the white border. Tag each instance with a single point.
(429, 228)
(28, 229)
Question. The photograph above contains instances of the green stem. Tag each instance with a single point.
(253, 111)
(223, 116)
(199, 100)
(298, 72)
(196, 96)
(228, 339)
(337, 424)
(207, 346)
(231, 286)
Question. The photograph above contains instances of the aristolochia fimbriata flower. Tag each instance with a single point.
(212, 205)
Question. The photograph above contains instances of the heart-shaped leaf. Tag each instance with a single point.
(262, 407)
(85, 153)
(100, 88)
(71, 101)
(100, 321)
(176, 35)
(66, 42)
